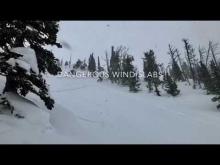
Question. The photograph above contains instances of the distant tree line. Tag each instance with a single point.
(199, 69)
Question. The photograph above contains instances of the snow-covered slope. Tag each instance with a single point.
(34, 128)
(113, 115)
(90, 112)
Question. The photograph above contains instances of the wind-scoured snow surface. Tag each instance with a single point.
(89, 112)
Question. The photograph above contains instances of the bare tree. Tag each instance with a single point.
(202, 54)
(175, 56)
(214, 51)
(191, 59)
(181, 66)
(107, 60)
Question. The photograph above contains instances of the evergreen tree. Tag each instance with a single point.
(77, 64)
(150, 68)
(215, 77)
(92, 64)
(176, 72)
(171, 86)
(129, 75)
(114, 67)
(215, 72)
(83, 65)
(66, 63)
(126, 68)
(36, 34)
(205, 77)
(134, 82)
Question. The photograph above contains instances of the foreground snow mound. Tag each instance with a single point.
(34, 128)
(27, 61)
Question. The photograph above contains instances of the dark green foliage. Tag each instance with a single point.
(92, 64)
(66, 63)
(114, 67)
(100, 78)
(84, 65)
(134, 83)
(205, 78)
(127, 69)
(129, 76)
(170, 86)
(176, 72)
(216, 99)
(150, 68)
(37, 34)
(78, 64)
(215, 73)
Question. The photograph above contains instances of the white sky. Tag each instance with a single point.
(86, 37)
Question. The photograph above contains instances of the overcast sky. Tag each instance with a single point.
(85, 37)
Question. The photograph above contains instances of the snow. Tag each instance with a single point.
(20, 63)
(88, 112)
(2, 83)
(110, 114)
(28, 59)
(35, 128)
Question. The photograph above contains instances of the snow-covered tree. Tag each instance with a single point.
(170, 85)
(24, 58)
